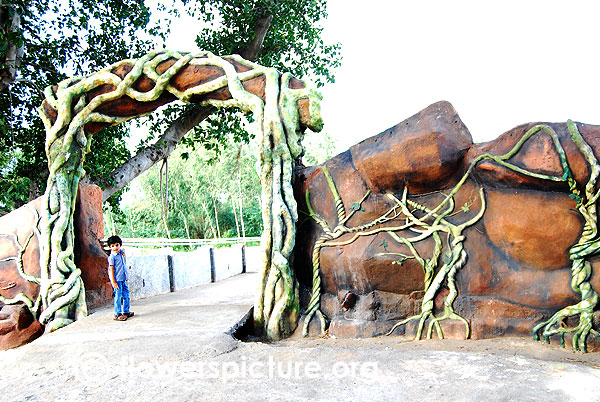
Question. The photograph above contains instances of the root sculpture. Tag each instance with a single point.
(409, 222)
(75, 109)
(415, 210)
(587, 246)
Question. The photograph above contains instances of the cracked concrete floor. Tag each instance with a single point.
(176, 348)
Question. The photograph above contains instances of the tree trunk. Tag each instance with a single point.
(209, 220)
(254, 47)
(242, 220)
(164, 198)
(240, 203)
(14, 53)
(235, 215)
(187, 229)
(146, 158)
(185, 222)
(217, 220)
(131, 224)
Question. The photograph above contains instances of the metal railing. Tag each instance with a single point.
(136, 242)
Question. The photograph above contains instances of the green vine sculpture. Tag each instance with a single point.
(32, 305)
(456, 256)
(279, 133)
(581, 270)
(314, 305)
(434, 220)
(453, 260)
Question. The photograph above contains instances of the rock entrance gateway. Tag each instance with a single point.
(77, 108)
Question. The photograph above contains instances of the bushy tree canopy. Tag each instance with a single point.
(203, 197)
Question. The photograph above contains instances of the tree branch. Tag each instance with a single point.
(165, 145)
(145, 159)
(30, 84)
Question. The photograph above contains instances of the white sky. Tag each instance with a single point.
(500, 63)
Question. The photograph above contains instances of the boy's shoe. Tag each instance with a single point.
(130, 314)
(120, 317)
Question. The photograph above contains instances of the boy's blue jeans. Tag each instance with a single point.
(122, 298)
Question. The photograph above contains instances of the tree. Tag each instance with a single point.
(197, 183)
(87, 35)
(41, 43)
(197, 188)
(11, 43)
(284, 107)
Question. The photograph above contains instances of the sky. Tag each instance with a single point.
(500, 63)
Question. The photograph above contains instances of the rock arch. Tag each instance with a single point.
(78, 107)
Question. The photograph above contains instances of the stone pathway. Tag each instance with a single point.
(176, 348)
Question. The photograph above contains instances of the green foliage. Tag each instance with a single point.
(59, 40)
(210, 134)
(196, 187)
(63, 39)
(318, 148)
(292, 44)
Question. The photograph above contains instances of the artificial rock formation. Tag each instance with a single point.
(20, 264)
(54, 288)
(419, 230)
(89, 255)
(73, 110)
(19, 270)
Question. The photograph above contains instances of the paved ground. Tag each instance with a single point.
(176, 348)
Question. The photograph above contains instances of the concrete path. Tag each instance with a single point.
(176, 348)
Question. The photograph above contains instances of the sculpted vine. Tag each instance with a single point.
(587, 246)
(74, 107)
(32, 305)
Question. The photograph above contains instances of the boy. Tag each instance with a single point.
(117, 272)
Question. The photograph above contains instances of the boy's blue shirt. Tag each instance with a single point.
(118, 261)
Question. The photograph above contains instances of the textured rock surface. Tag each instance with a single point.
(518, 268)
(19, 235)
(19, 238)
(89, 256)
(422, 152)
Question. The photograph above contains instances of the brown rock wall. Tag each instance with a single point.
(518, 269)
(19, 234)
(89, 255)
